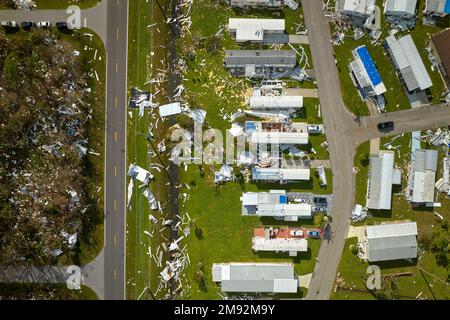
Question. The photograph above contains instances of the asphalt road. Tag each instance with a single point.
(345, 132)
(115, 166)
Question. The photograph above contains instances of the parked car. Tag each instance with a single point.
(314, 128)
(386, 126)
(8, 24)
(313, 234)
(43, 24)
(27, 24)
(297, 233)
(320, 200)
(62, 25)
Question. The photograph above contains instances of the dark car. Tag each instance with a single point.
(386, 126)
(320, 200)
(27, 24)
(62, 25)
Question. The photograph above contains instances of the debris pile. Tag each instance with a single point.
(44, 140)
(360, 213)
(24, 4)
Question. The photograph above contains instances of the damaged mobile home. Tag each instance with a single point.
(274, 204)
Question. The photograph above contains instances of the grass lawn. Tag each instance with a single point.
(142, 271)
(225, 234)
(362, 163)
(92, 243)
(352, 271)
(352, 268)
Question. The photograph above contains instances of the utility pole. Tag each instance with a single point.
(165, 16)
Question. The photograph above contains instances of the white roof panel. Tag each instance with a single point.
(275, 102)
(253, 29)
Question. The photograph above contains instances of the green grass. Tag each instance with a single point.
(91, 246)
(362, 163)
(226, 235)
(353, 271)
(137, 263)
(142, 272)
(352, 268)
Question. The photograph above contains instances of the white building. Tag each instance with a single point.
(407, 61)
(393, 241)
(272, 102)
(443, 184)
(256, 277)
(274, 204)
(366, 74)
(282, 175)
(257, 4)
(401, 12)
(424, 176)
(277, 133)
(255, 30)
(382, 175)
(438, 8)
(290, 245)
(357, 11)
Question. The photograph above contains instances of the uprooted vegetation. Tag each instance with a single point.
(43, 144)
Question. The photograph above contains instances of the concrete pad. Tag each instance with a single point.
(375, 146)
(307, 93)
(356, 232)
(304, 280)
(298, 39)
(418, 99)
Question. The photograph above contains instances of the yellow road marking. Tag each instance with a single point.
(115, 205)
(117, 34)
(115, 102)
(115, 136)
(115, 240)
(117, 68)
(115, 171)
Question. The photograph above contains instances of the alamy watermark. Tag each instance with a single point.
(374, 279)
(75, 279)
(74, 17)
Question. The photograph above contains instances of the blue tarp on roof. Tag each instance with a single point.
(369, 65)
(283, 199)
(447, 6)
(250, 126)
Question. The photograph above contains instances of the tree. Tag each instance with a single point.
(319, 220)
(439, 243)
(11, 70)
